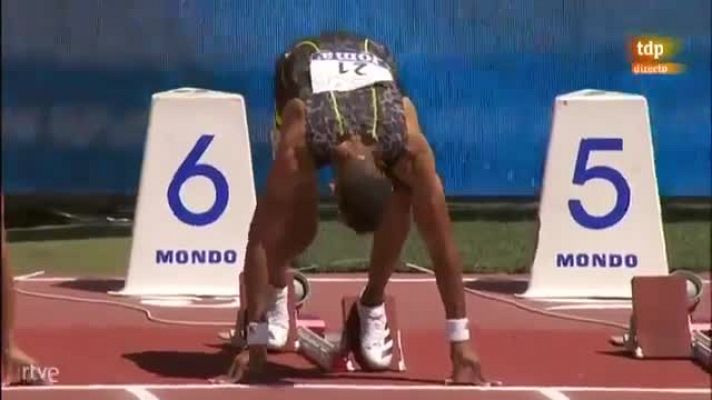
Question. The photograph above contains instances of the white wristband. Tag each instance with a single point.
(458, 330)
(257, 333)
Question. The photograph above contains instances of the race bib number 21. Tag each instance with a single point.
(342, 72)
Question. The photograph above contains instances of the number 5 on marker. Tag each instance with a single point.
(583, 174)
(190, 168)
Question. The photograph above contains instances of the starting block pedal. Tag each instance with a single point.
(660, 324)
(332, 352)
(326, 351)
(340, 352)
(351, 335)
(295, 299)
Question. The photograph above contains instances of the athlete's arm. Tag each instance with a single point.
(431, 216)
(388, 241)
(289, 169)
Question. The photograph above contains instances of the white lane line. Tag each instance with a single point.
(620, 306)
(33, 278)
(579, 301)
(365, 279)
(552, 394)
(171, 303)
(309, 278)
(54, 279)
(28, 276)
(142, 393)
(404, 387)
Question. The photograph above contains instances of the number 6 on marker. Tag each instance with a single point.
(583, 174)
(190, 168)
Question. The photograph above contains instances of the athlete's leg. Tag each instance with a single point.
(388, 243)
(300, 231)
(297, 233)
(285, 219)
(376, 339)
(389, 238)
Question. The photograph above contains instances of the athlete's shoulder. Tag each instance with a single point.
(417, 144)
(411, 117)
(305, 44)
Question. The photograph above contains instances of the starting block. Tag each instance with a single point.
(340, 352)
(326, 351)
(332, 352)
(297, 293)
(660, 324)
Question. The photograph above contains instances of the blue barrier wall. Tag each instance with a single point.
(78, 75)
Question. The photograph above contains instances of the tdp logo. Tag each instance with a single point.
(650, 48)
(654, 55)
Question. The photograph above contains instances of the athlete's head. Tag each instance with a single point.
(361, 192)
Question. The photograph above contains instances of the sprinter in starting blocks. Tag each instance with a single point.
(339, 103)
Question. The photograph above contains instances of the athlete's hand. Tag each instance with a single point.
(247, 365)
(466, 368)
(14, 362)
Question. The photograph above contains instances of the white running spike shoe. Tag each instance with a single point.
(278, 318)
(376, 340)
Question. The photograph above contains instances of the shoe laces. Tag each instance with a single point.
(377, 325)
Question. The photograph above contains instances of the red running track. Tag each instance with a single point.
(357, 392)
(100, 344)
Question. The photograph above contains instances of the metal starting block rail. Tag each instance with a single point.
(328, 355)
(702, 348)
